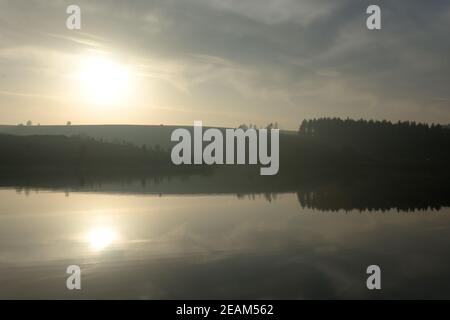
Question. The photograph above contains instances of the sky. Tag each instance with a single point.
(224, 62)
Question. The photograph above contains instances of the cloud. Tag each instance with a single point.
(280, 59)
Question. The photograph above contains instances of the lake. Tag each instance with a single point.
(181, 245)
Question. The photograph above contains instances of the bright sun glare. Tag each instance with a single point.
(103, 81)
(100, 238)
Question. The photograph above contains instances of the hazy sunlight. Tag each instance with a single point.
(103, 81)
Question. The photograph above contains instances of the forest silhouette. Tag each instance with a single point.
(382, 142)
(332, 164)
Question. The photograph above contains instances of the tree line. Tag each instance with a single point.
(381, 140)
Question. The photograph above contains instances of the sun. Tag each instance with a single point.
(103, 81)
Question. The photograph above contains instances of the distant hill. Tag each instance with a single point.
(59, 151)
(321, 145)
(136, 134)
(139, 135)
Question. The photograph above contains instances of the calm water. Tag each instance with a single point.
(144, 246)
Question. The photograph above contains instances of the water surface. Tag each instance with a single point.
(189, 246)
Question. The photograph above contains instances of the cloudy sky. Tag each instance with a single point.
(225, 62)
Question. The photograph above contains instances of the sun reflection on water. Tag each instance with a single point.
(101, 237)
